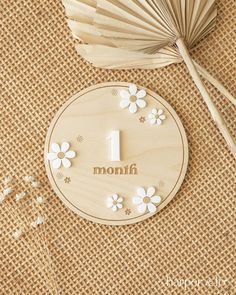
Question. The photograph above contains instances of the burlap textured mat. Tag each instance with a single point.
(191, 239)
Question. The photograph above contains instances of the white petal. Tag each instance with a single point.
(159, 122)
(162, 117)
(141, 103)
(154, 111)
(124, 94)
(142, 208)
(151, 116)
(55, 147)
(56, 163)
(133, 89)
(137, 200)
(119, 206)
(114, 208)
(70, 154)
(119, 200)
(109, 203)
(141, 192)
(151, 191)
(124, 103)
(160, 112)
(133, 108)
(151, 208)
(66, 163)
(141, 93)
(153, 121)
(156, 199)
(115, 197)
(51, 156)
(65, 146)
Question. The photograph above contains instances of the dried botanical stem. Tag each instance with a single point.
(205, 74)
(31, 246)
(211, 106)
(41, 234)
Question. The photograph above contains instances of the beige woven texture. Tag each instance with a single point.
(192, 238)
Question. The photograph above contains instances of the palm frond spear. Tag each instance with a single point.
(147, 34)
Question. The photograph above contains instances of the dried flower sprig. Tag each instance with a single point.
(7, 191)
(35, 184)
(40, 200)
(38, 221)
(18, 233)
(2, 197)
(30, 179)
(20, 196)
(7, 180)
(22, 226)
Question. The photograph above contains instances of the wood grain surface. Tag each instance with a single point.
(158, 152)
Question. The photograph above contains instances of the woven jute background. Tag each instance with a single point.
(191, 239)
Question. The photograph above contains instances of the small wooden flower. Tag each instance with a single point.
(142, 119)
(61, 155)
(133, 98)
(146, 201)
(115, 202)
(128, 211)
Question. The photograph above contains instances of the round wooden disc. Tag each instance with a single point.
(151, 155)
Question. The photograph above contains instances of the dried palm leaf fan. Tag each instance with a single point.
(142, 34)
(116, 58)
(81, 14)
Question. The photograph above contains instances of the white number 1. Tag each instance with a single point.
(115, 145)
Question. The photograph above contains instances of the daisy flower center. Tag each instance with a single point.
(61, 155)
(114, 203)
(133, 98)
(146, 200)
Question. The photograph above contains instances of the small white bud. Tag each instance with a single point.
(28, 178)
(7, 191)
(7, 180)
(33, 224)
(35, 184)
(40, 200)
(2, 197)
(16, 235)
(20, 196)
(38, 221)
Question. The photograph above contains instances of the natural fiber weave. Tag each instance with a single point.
(192, 238)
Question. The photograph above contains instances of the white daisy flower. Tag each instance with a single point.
(156, 116)
(133, 98)
(115, 202)
(146, 200)
(61, 155)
